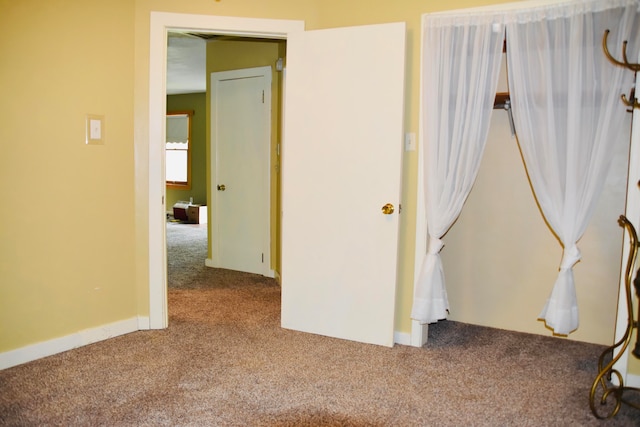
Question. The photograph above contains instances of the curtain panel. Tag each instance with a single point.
(567, 112)
(566, 105)
(461, 65)
(177, 128)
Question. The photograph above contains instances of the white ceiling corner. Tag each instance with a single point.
(186, 64)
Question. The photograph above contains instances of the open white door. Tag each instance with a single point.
(341, 164)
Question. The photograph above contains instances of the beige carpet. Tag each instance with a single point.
(225, 361)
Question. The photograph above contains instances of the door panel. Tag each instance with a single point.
(341, 163)
(240, 134)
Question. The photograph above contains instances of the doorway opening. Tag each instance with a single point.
(161, 24)
(334, 230)
(239, 179)
(235, 160)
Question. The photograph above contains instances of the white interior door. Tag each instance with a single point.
(240, 141)
(341, 164)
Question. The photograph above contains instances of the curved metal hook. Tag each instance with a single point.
(632, 102)
(605, 47)
(626, 63)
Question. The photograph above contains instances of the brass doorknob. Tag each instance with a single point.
(222, 187)
(388, 209)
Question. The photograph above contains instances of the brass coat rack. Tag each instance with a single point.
(608, 388)
(603, 389)
(632, 101)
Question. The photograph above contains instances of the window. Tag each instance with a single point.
(178, 150)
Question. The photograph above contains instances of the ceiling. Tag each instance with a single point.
(186, 60)
(186, 63)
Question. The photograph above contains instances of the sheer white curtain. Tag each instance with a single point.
(461, 64)
(566, 105)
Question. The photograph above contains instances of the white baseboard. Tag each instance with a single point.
(419, 333)
(69, 342)
(144, 323)
(416, 338)
(269, 273)
(632, 381)
(402, 338)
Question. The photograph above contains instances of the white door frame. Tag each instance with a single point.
(160, 24)
(265, 214)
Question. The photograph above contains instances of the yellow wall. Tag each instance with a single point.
(634, 363)
(523, 300)
(500, 258)
(197, 103)
(74, 212)
(316, 14)
(67, 229)
(224, 55)
(336, 13)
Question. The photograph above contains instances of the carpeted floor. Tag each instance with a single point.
(186, 253)
(225, 361)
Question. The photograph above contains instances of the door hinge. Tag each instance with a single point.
(263, 96)
(263, 258)
(399, 208)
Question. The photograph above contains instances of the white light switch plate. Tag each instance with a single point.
(410, 141)
(94, 129)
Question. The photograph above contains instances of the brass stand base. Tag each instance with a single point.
(613, 396)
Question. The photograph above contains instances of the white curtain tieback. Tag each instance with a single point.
(570, 257)
(435, 245)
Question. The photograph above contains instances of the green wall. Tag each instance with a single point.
(196, 102)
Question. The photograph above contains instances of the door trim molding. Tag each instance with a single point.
(160, 24)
